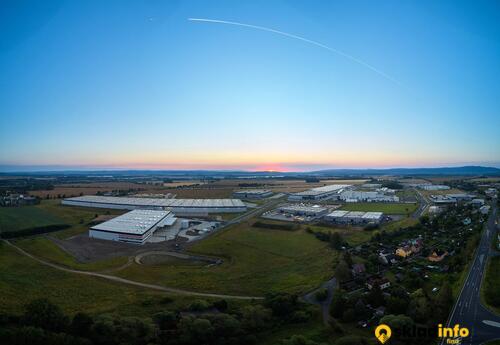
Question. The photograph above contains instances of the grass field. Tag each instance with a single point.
(50, 212)
(256, 261)
(387, 208)
(44, 248)
(23, 279)
(19, 218)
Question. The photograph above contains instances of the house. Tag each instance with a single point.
(383, 283)
(404, 251)
(387, 259)
(437, 255)
(358, 269)
(484, 209)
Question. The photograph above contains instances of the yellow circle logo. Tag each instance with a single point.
(383, 333)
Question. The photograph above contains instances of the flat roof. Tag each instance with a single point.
(373, 215)
(155, 202)
(355, 214)
(253, 191)
(135, 222)
(338, 213)
(314, 208)
(323, 190)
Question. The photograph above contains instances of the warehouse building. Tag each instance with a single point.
(135, 226)
(433, 187)
(304, 210)
(252, 194)
(360, 196)
(354, 217)
(179, 206)
(320, 193)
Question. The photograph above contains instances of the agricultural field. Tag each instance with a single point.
(387, 208)
(256, 261)
(50, 212)
(19, 218)
(24, 279)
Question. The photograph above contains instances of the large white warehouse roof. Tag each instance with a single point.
(324, 189)
(135, 222)
(152, 202)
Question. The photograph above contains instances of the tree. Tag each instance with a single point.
(165, 320)
(342, 271)
(195, 331)
(348, 259)
(81, 324)
(282, 304)
(336, 241)
(376, 297)
(444, 301)
(255, 318)
(351, 340)
(42, 313)
(338, 304)
(298, 340)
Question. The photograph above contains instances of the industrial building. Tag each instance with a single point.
(354, 217)
(433, 187)
(179, 206)
(320, 193)
(252, 194)
(304, 210)
(360, 196)
(450, 198)
(135, 226)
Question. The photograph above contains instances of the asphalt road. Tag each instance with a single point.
(468, 310)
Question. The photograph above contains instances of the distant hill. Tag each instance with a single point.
(455, 171)
(353, 173)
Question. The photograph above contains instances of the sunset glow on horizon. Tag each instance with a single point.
(142, 87)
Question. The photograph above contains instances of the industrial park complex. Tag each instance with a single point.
(159, 215)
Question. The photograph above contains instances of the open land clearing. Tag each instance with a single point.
(24, 279)
(256, 261)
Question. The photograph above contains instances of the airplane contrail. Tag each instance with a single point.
(336, 51)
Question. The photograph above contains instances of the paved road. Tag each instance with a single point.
(310, 297)
(423, 204)
(130, 282)
(468, 310)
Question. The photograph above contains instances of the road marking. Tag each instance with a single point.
(492, 323)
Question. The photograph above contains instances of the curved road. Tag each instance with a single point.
(131, 282)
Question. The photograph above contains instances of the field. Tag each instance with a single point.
(24, 279)
(256, 261)
(50, 212)
(19, 218)
(387, 208)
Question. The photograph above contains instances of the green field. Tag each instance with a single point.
(256, 261)
(50, 212)
(19, 218)
(387, 208)
(23, 279)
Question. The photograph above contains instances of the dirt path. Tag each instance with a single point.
(130, 282)
(310, 297)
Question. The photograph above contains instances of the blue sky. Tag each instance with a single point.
(134, 84)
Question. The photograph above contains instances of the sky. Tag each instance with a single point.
(135, 84)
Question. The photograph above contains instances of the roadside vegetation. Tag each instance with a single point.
(491, 284)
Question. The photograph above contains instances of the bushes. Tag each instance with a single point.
(34, 231)
(321, 295)
(274, 226)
